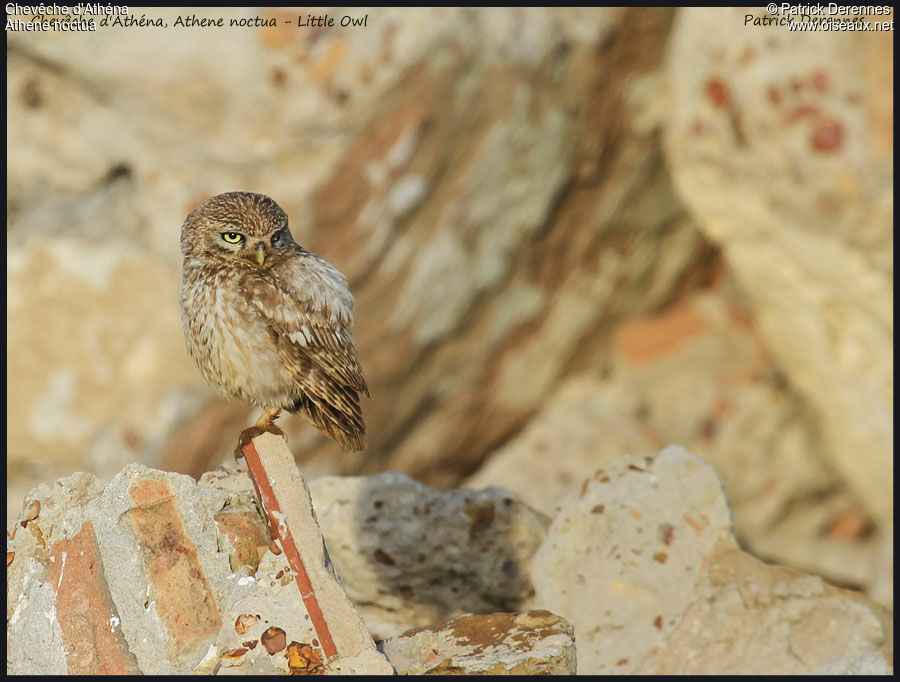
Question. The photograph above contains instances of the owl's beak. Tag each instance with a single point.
(260, 254)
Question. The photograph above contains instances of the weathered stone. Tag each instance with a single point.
(880, 585)
(530, 643)
(619, 554)
(746, 617)
(509, 218)
(863, 664)
(409, 555)
(742, 418)
(805, 227)
(583, 427)
(642, 561)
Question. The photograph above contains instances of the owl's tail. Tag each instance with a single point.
(339, 418)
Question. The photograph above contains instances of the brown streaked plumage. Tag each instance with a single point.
(267, 321)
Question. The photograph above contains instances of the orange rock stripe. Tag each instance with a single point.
(184, 600)
(92, 639)
(647, 340)
(283, 533)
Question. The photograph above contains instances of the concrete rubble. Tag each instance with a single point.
(638, 572)
(643, 562)
(155, 573)
(530, 643)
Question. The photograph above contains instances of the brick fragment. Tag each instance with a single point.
(87, 617)
(184, 600)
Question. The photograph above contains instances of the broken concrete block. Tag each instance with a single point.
(346, 644)
(155, 573)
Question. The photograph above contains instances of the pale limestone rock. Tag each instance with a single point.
(778, 144)
(863, 664)
(642, 561)
(622, 551)
(33, 636)
(880, 585)
(583, 427)
(739, 416)
(747, 617)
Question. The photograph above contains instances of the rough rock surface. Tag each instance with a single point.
(781, 144)
(520, 197)
(741, 417)
(531, 643)
(641, 560)
(864, 664)
(493, 189)
(510, 192)
(582, 428)
(157, 574)
(410, 555)
(747, 617)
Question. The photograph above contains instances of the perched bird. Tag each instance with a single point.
(267, 321)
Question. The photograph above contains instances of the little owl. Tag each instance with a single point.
(267, 321)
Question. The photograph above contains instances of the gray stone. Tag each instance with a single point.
(409, 555)
(621, 553)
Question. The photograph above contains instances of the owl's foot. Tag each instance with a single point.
(268, 416)
(249, 434)
(265, 423)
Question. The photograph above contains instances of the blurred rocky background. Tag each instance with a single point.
(572, 234)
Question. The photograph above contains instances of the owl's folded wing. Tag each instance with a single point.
(329, 346)
(318, 351)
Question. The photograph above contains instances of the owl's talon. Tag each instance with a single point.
(249, 434)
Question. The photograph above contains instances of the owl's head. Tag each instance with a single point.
(238, 227)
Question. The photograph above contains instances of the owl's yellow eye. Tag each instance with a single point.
(232, 237)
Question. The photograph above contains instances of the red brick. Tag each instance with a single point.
(93, 642)
(184, 600)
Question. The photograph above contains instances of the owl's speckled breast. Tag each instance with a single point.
(230, 341)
